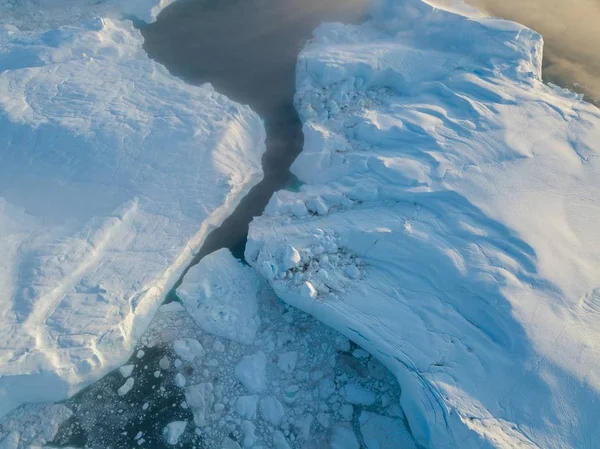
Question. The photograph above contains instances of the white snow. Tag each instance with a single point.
(113, 172)
(251, 371)
(223, 306)
(173, 432)
(460, 242)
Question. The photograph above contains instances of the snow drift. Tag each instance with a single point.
(448, 223)
(112, 172)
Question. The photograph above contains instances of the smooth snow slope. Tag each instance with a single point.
(112, 172)
(449, 224)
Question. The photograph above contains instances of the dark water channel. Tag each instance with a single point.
(247, 49)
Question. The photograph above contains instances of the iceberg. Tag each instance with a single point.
(112, 173)
(447, 222)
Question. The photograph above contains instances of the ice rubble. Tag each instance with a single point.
(448, 223)
(301, 403)
(112, 174)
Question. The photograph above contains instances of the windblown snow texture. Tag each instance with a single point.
(448, 223)
(112, 173)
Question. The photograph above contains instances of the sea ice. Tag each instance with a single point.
(113, 172)
(173, 432)
(465, 192)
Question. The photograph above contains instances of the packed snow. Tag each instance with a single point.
(447, 222)
(113, 172)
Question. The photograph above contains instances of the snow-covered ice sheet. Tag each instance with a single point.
(112, 172)
(47, 14)
(448, 223)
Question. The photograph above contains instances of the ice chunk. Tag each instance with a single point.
(173, 431)
(189, 349)
(342, 437)
(245, 406)
(308, 290)
(126, 370)
(200, 399)
(382, 432)
(464, 193)
(279, 440)
(251, 371)
(287, 361)
(126, 387)
(248, 430)
(290, 257)
(221, 295)
(356, 394)
(180, 380)
(271, 410)
(228, 443)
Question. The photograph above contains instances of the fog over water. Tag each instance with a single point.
(571, 31)
(248, 50)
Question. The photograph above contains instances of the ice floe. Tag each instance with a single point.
(453, 202)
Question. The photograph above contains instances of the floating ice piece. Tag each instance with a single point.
(173, 431)
(180, 380)
(287, 361)
(307, 290)
(228, 443)
(290, 257)
(188, 349)
(271, 410)
(126, 370)
(251, 371)
(342, 437)
(279, 440)
(221, 295)
(245, 406)
(126, 387)
(356, 394)
(382, 432)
